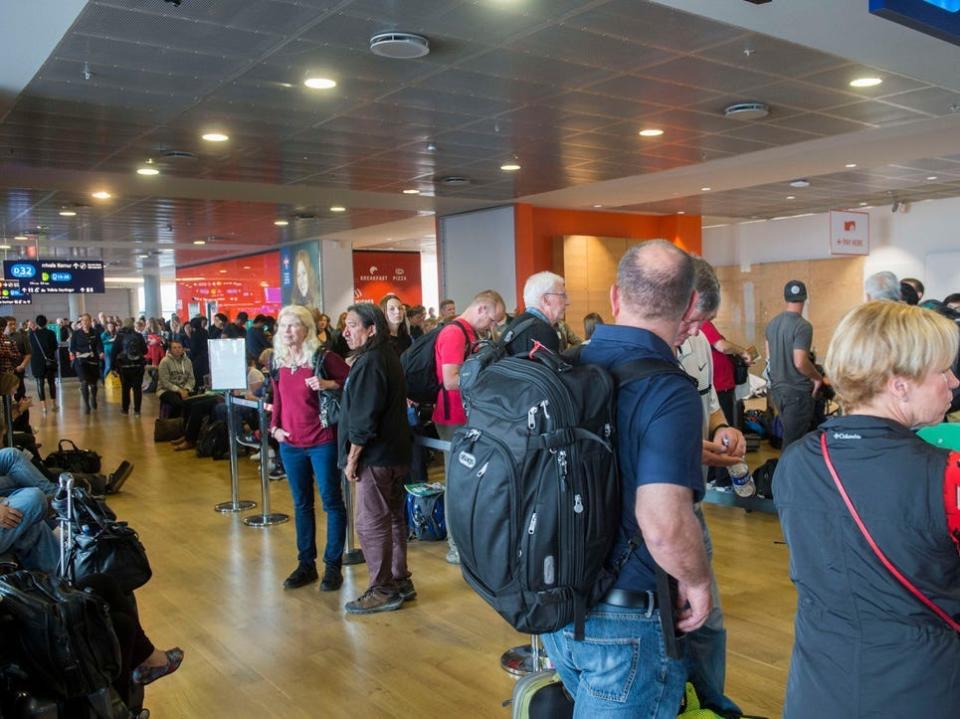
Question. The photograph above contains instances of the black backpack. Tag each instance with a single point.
(134, 349)
(63, 638)
(213, 440)
(763, 478)
(533, 493)
(419, 364)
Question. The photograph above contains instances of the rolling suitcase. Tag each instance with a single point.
(541, 696)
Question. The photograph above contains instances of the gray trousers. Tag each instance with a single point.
(796, 412)
(445, 433)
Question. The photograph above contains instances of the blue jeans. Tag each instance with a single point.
(32, 540)
(620, 669)
(302, 465)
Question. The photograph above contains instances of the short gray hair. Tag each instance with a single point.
(537, 286)
(655, 279)
(707, 286)
(882, 286)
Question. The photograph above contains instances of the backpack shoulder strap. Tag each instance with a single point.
(951, 496)
(512, 333)
(642, 368)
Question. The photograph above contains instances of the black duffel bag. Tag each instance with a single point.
(113, 549)
(73, 460)
(61, 637)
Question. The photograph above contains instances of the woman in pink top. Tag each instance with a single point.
(307, 447)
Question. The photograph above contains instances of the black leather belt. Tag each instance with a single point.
(645, 601)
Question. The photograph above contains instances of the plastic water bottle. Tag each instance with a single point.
(743, 483)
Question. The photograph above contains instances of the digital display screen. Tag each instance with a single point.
(56, 276)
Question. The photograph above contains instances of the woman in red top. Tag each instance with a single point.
(308, 448)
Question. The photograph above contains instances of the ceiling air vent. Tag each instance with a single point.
(454, 180)
(747, 111)
(178, 155)
(399, 45)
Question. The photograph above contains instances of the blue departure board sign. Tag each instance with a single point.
(12, 294)
(42, 277)
(939, 18)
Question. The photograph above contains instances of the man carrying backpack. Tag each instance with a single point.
(622, 668)
(452, 347)
(129, 357)
(545, 300)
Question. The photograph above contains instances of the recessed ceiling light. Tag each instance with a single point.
(863, 204)
(21, 238)
(512, 166)
(223, 272)
(143, 256)
(68, 213)
(215, 137)
(932, 177)
(598, 206)
(320, 83)
(338, 208)
(281, 223)
(101, 195)
(705, 189)
(866, 82)
(681, 212)
(791, 197)
(850, 165)
(199, 242)
(246, 267)
(801, 182)
(650, 132)
(4, 247)
(411, 191)
(148, 171)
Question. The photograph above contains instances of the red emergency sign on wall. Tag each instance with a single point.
(376, 274)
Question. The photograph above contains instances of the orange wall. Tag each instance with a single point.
(537, 227)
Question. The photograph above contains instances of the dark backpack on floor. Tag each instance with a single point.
(63, 638)
(73, 459)
(419, 364)
(533, 494)
(213, 440)
(763, 478)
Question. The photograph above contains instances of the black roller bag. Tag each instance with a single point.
(73, 459)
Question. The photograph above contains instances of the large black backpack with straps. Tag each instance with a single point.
(533, 494)
(419, 363)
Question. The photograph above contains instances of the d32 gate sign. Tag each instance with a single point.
(56, 276)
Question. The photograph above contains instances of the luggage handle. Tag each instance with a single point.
(72, 444)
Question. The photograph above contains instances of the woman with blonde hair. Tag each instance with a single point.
(870, 512)
(308, 444)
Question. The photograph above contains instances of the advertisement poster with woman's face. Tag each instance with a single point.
(300, 274)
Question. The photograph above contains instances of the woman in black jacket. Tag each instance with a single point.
(43, 361)
(374, 440)
(86, 352)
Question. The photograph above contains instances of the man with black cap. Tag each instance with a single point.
(794, 381)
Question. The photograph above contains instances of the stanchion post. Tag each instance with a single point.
(265, 518)
(235, 504)
(352, 554)
(8, 416)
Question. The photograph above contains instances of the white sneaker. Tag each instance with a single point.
(255, 457)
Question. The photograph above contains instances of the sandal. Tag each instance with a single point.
(145, 675)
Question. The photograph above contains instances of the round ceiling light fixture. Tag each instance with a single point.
(650, 132)
(199, 242)
(215, 137)
(338, 208)
(705, 189)
(320, 83)
(68, 213)
(746, 111)
(281, 223)
(21, 238)
(510, 166)
(411, 191)
(101, 195)
(850, 165)
(861, 82)
(800, 182)
(399, 45)
(148, 171)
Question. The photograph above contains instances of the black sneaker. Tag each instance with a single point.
(277, 473)
(303, 575)
(332, 578)
(115, 481)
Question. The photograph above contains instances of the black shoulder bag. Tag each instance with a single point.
(329, 399)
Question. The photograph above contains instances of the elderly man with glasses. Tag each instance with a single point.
(545, 300)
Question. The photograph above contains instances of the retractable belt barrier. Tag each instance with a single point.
(266, 518)
(235, 504)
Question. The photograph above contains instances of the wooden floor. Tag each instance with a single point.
(255, 650)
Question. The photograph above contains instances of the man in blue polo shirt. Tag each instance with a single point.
(621, 668)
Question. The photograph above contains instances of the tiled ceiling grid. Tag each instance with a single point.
(563, 85)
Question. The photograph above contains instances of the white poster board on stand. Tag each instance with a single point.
(228, 364)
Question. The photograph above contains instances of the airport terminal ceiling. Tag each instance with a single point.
(564, 103)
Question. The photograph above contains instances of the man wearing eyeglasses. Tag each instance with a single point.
(545, 300)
